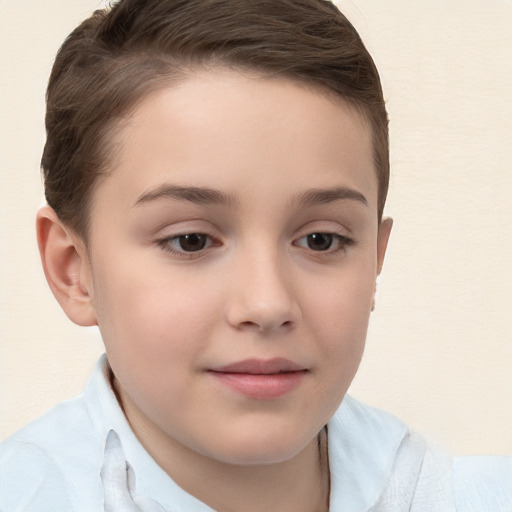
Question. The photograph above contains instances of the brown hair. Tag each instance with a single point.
(118, 55)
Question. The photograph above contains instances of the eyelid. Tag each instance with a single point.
(342, 234)
(333, 227)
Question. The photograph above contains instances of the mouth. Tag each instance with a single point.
(260, 379)
(261, 367)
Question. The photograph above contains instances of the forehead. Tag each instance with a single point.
(242, 133)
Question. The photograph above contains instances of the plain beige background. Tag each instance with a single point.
(439, 351)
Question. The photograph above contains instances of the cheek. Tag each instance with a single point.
(154, 340)
(153, 316)
(341, 303)
(340, 316)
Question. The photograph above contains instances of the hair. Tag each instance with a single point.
(117, 56)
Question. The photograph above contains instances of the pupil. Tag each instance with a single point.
(192, 242)
(320, 241)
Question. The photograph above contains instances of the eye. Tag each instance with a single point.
(323, 242)
(191, 242)
(186, 243)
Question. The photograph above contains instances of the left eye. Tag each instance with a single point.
(190, 242)
(322, 242)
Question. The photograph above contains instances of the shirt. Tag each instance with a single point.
(82, 456)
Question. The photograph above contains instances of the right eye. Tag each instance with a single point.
(186, 243)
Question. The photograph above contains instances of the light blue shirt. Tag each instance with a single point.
(82, 456)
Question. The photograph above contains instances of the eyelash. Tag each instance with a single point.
(342, 242)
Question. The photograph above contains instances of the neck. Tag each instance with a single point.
(300, 484)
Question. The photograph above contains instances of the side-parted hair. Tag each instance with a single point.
(117, 56)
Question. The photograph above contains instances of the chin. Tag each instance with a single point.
(261, 449)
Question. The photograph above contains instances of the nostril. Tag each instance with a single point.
(254, 312)
(263, 327)
(249, 324)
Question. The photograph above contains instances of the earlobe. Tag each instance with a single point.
(66, 267)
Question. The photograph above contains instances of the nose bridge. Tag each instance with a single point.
(263, 295)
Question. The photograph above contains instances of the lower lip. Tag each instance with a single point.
(262, 387)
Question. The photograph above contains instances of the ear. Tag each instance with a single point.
(66, 267)
(382, 241)
(382, 244)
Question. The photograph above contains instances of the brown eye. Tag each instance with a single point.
(188, 245)
(324, 242)
(191, 242)
(319, 241)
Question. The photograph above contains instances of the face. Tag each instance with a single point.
(233, 254)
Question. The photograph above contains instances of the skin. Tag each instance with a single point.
(260, 288)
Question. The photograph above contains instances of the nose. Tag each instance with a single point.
(263, 295)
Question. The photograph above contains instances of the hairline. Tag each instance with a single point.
(111, 144)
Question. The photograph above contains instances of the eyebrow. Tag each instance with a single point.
(316, 197)
(206, 195)
(198, 195)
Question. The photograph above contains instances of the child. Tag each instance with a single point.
(216, 173)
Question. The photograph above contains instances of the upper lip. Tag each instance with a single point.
(260, 366)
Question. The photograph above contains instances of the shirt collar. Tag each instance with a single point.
(363, 443)
(151, 479)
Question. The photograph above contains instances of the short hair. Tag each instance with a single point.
(120, 54)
